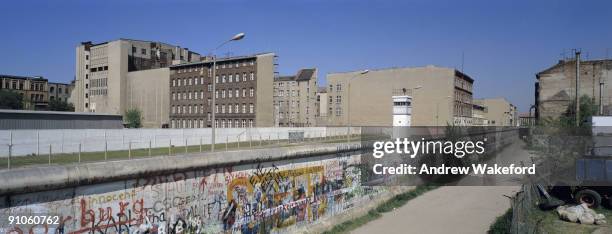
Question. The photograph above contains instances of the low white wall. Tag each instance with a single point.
(27, 142)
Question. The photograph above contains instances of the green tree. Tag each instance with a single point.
(133, 118)
(59, 105)
(10, 100)
(588, 108)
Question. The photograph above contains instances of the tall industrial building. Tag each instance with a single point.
(295, 99)
(114, 76)
(440, 96)
(556, 87)
(243, 95)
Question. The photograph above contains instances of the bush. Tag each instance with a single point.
(133, 118)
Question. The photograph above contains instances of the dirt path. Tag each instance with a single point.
(452, 209)
(456, 209)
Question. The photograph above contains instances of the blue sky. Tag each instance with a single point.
(504, 42)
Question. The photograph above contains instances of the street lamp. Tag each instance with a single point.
(348, 109)
(236, 37)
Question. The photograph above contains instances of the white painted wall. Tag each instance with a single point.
(27, 142)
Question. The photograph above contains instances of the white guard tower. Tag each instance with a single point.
(402, 111)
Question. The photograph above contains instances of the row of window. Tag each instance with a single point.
(102, 82)
(338, 88)
(220, 65)
(229, 109)
(99, 92)
(223, 123)
(195, 95)
(177, 82)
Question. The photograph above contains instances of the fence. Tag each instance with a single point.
(524, 204)
(70, 145)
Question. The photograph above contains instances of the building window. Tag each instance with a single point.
(243, 92)
(252, 76)
(237, 108)
(216, 108)
(338, 99)
(237, 93)
(209, 88)
(331, 88)
(190, 81)
(244, 76)
(216, 79)
(251, 108)
(216, 93)
(143, 51)
(223, 93)
(251, 92)
(231, 78)
(208, 117)
(250, 123)
(338, 88)
(230, 93)
(229, 109)
(338, 111)
(223, 79)
(244, 108)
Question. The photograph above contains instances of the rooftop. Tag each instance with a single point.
(220, 60)
(22, 77)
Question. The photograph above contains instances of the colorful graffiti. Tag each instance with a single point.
(263, 198)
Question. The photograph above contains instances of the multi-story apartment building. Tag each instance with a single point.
(295, 99)
(556, 87)
(440, 96)
(500, 112)
(33, 90)
(114, 76)
(243, 95)
(59, 91)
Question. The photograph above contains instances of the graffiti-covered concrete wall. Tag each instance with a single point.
(268, 197)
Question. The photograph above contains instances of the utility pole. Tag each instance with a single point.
(577, 88)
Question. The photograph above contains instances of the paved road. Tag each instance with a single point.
(451, 209)
(456, 209)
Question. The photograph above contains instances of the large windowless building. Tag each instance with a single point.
(440, 96)
(243, 92)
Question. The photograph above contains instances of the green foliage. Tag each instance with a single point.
(502, 224)
(133, 118)
(10, 100)
(58, 105)
(588, 108)
(395, 202)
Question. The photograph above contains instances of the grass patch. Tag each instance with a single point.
(502, 223)
(395, 202)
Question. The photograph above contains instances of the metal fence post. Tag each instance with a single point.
(105, 149)
(37, 143)
(170, 147)
(149, 147)
(49, 154)
(10, 151)
(226, 141)
(269, 139)
(259, 140)
(238, 141)
(250, 141)
(80, 152)
(278, 137)
(185, 145)
(200, 144)
(130, 149)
